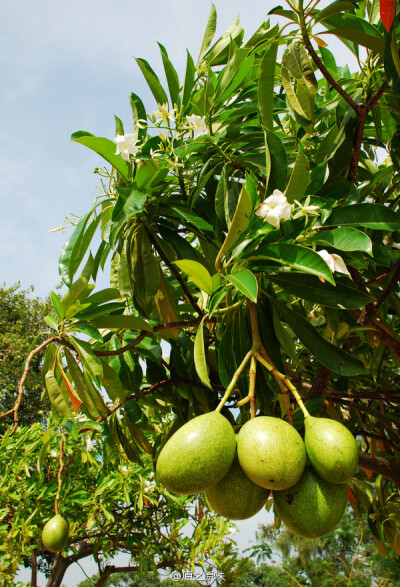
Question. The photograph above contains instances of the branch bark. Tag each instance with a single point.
(380, 467)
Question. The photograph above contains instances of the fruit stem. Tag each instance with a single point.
(233, 382)
(288, 384)
(252, 389)
(60, 470)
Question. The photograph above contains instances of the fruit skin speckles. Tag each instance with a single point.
(313, 507)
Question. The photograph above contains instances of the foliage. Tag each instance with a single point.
(252, 225)
(22, 318)
(346, 556)
(111, 507)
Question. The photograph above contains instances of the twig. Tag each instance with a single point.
(59, 476)
(175, 273)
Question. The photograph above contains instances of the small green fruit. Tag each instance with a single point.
(313, 507)
(236, 497)
(55, 534)
(271, 452)
(198, 455)
(331, 448)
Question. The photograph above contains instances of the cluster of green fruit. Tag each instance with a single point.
(237, 473)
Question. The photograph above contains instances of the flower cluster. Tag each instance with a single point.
(274, 209)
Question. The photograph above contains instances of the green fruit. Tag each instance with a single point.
(331, 448)
(236, 497)
(55, 534)
(198, 455)
(313, 507)
(271, 452)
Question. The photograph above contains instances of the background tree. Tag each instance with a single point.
(22, 318)
(251, 225)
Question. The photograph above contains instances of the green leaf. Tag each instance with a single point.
(138, 113)
(146, 275)
(75, 291)
(326, 353)
(112, 382)
(245, 282)
(152, 81)
(171, 75)
(292, 100)
(296, 59)
(198, 222)
(149, 174)
(373, 216)
(295, 256)
(266, 84)
(299, 178)
(56, 395)
(129, 203)
(277, 162)
(334, 8)
(309, 287)
(197, 274)
(87, 356)
(210, 31)
(89, 396)
(57, 304)
(357, 30)
(72, 244)
(189, 79)
(51, 321)
(344, 239)
(233, 75)
(122, 322)
(240, 221)
(199, 355)
(106, 148)
(104, 295)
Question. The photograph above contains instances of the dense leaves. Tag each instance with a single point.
(254, 214)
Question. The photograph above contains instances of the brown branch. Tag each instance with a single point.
(390, 287)
(364, 396)
(386, 421)
(380, 467)
(21, 383)
(320, 64)
(175, 273)
(34, 568)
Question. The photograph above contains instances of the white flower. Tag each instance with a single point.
(198, 125)
(163, 114)
(334, 262)
(274, 209)
(306, 209)
(53, 453)
(89, 444)
(126, 145)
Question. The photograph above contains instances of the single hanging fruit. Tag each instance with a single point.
(331, 448)
(313, 507)
(271, 452)
(236, 497)
(55, 534)
(198, 455)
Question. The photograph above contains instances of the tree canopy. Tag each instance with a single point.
(251, 225)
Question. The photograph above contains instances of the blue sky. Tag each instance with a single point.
(68, 66)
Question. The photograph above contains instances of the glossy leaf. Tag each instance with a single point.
(199, 355)
(165, 305)
(171, 75)
(239, 222)
(189, 79)
(145, 274)
(152, 81)
(75, 291)
(373, 216)
(245, 282)
(210, 30)
(344, 239)
(309, 287)
(296, 256)
(89, 396)
(106, 148)
(121, 322)
(57, 304)
(356, 29)
(326, 353)
(299, 178)
(197, 274)
(266, 85)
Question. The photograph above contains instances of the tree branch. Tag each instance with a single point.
(175, 273)
(380, 467)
